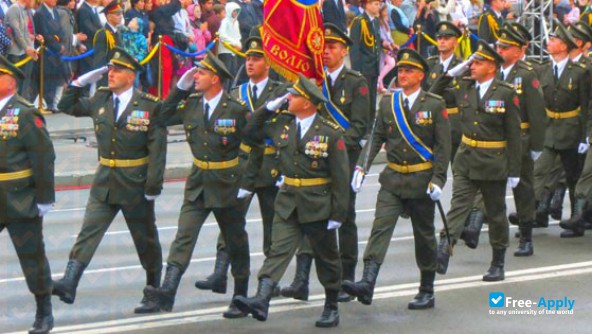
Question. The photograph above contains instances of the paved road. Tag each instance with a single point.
(113, 282)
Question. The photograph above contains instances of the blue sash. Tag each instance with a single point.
(244, 95)
(334, 112)
(424, 152)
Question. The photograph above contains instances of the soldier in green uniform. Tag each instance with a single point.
(486, 159)
(348, 106)
(132, 154)
(213, 122)
(311, 202)
(26, 188)
(566, 89)
(490, 21)
(413, 125)
(366, 47)
(106, 39)
(447, 35)
(532, 127)
(254, 93)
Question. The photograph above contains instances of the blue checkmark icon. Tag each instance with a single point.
(496, 299)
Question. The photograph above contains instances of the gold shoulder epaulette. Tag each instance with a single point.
(150, 97)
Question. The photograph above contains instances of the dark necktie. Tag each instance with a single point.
(406, 104)
(329, 80)
(502, 75)
(254, 94)
(115, 108)
(556, 72)
(298, 133)
(207, 113)
(478, 89)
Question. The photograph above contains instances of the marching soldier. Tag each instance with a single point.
(491, 21)
(532, 128)
(485, 161)
(413, 124)
(447, 35)
(566, 91)
(107, 38)
(254, 94)
(312, 201)
(26, 188)
(366, 47)
(348, 106)
(213, 123)
(132, 153)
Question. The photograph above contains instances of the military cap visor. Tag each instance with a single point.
(122, 59)
(334, 35)
(564, 35)
(486, 52)
(112, 7)
(306, 88)
(255, 46)
(520, 30)
(508, 38)
(8, 68)
(579, 33)
(214, 65)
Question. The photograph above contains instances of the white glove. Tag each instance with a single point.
(513, 182)
(583, 147)
(357, 179)
(43, 209)
(333, 225)
(535, 155)
(460, 68)
(280, 181)
(242, 193)
(151, 197)
(434, 191)
(187, 79)
(91, 77)
(273, 105)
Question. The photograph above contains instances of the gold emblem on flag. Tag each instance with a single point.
(315, 40)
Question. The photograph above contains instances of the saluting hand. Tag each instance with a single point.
(91, 77)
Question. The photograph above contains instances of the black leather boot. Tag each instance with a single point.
(556, 206)
(363, 289)
(525, 247)
(348, 274)
(43, 316)
(472, 231)
(443, 255)
(425, 298)
(575, 226)
(218, 280)
(496, 270)
(65, 287)
(298, 289)
(165, 295)
(147, 305)
(257, 306)
(330, 316)
(241, 286)
(542, 210)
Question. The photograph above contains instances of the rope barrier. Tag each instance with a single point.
(188, 54)
(150, 55)
(233, 50)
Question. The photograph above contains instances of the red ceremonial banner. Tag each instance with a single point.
(293, 38)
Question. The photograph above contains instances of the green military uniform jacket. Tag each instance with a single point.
(137, 134)
(218, 140)
(570, 92)
(24, 145)
(488, 26)
(365, 52)
(428, 120)
(523, 78)
(494, 118)
(267, 174)
(321, 153)
(350, 94)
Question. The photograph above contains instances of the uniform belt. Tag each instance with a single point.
(16, 175)
(483, 144)
(305, 182)
(563, 114)
(524, 125)
(215, 164)
(452, 111)
(113, 163)
(406, 169)
(269, 150)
